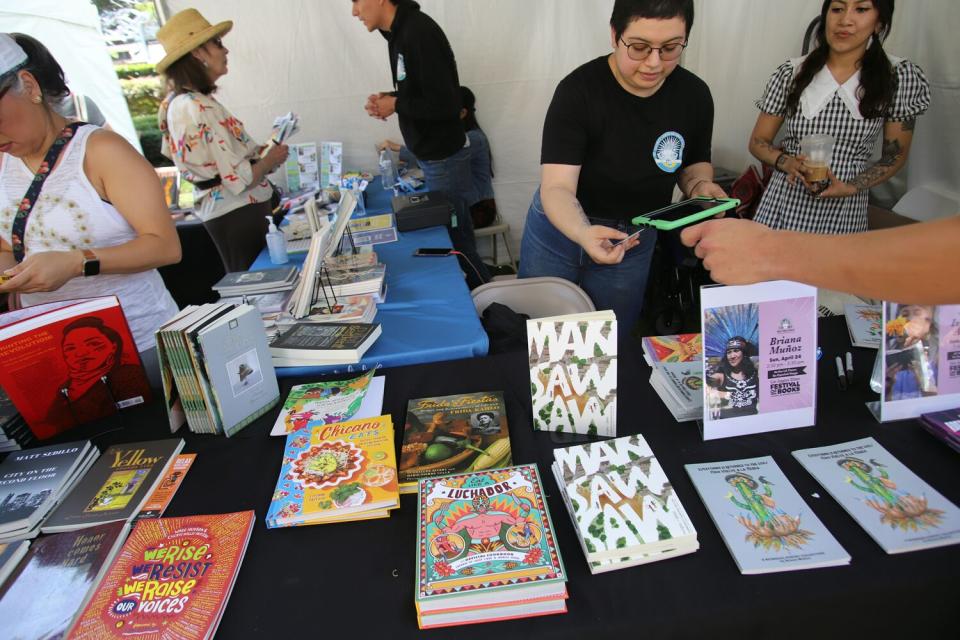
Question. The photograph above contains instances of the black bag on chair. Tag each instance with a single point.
(506, 329)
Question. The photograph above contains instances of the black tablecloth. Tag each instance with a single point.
(357, 579)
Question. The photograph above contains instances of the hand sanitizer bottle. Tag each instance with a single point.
(276, 244)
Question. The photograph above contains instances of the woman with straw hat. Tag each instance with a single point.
(209, 145)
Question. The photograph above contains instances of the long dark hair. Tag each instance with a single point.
(746, 364)
(468, 101)
(42, 66)
(189, 74)
(877, 80)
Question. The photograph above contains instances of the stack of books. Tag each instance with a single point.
(15, 434)
(677, 374)
(11, 553)
(360, 280)
(336, 473)
(863, 324)
(944, 425)
(33, 482)
(486, 549)
(270, 305)
(245, 283)
(216, 369)
(322, 343)
(622, 504)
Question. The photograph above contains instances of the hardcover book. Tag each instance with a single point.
(453, 434)
(325, 343)
(54, 581)
(486, 549)
(864, 322)
(573, 373)
(70, 362)
(764, 522)
(336, 472)
(172, 579)
(621, 501)
(899, 510)
(318, 403)
(116, 486)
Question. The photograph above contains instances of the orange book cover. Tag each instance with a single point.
(160, 499)
(172, 579)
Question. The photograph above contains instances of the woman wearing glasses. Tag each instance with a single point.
(847, 87)
(621, 132)
(209, 145)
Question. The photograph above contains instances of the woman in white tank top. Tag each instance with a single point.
(99, 225)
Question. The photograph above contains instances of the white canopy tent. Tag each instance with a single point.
(70, 29)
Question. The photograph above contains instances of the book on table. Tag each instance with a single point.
(683, 347)
(171, 579)
(573, 373)
(33, 482)
(453, 434)
(15, 433)
(944, 425)
(622, 505)
(116, 486)
(314, 403)
(11, 553)
(864, 323)
(486, 549)
(894, 506)
(70, 362)
(216, 368)
(764, 522)
(335, 473)
(321, 343)
(52, 584)
(273, 280)
(159, 500)
(680, 386)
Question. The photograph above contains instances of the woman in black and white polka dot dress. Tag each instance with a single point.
(849, 88)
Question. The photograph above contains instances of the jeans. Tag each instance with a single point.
(544, 251)
(452, 177)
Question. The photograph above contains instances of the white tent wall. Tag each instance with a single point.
(70, 29)
(314, 58)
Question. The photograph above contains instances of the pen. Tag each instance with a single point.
(849, 368)
(841, 376)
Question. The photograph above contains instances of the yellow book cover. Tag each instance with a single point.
(334, 470)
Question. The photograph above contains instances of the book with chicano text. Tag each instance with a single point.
(896, 507)
(172, 579)
(486, 549)
(764, 522)
(621, 501)
(336, 472)
(322, 403)
(573, 373)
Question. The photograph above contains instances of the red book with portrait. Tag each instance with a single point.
(69, 362)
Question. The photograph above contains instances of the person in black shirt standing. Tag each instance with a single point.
(426, 100)
(621, 131)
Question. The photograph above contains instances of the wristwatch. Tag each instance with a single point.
(91, 263)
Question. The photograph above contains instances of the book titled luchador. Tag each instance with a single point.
(764, 522)
(486, 549)
(54, 581)
(69, 362)
(573, 373)
(172, 579)
(116, 486)
(323, 403)
(336, 472)
(622, 504)
(759, 357)
(899, 510)
(453, 434)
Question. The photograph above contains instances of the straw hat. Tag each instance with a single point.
(184, 32)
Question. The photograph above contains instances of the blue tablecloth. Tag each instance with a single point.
(428, 315)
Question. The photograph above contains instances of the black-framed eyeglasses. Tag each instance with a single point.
(639, 51)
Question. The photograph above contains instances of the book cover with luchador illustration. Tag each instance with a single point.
(171, 579)
(70, 362)
(484, 531)
(573, 373)
(453, 434)
(342, 471)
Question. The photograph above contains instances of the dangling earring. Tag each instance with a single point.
(204, 63)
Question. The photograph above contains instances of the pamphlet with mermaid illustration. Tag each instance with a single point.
(483, 530)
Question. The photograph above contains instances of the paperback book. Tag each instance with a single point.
(172, 579)
(486, 549)
(684, 347)
(11, 553)
(320, 343)
(622, 504)
(764, 522)
(317, 403)
(453, 434)
(237, 283)
(573, 373)
(864, 323)
(336, 472)
(899, 510)
(944, 425)
(160, 499)
(680, 386)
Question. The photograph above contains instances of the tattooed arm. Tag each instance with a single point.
(761, 147)
(558, 191)
(897, 137)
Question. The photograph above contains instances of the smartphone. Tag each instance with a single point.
(687, 212)
(432, 252)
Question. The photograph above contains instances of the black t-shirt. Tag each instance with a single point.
(627, 146)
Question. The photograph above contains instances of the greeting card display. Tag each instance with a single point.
(759, 358)
(921, 360)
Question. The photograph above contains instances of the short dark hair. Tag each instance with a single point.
(189, 74)
(626, 11)
(93, 322)
(43, 66)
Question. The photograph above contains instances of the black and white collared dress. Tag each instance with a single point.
(834, 109)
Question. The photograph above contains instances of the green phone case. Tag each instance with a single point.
(650, 220)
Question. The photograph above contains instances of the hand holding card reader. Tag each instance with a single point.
(681, 214)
